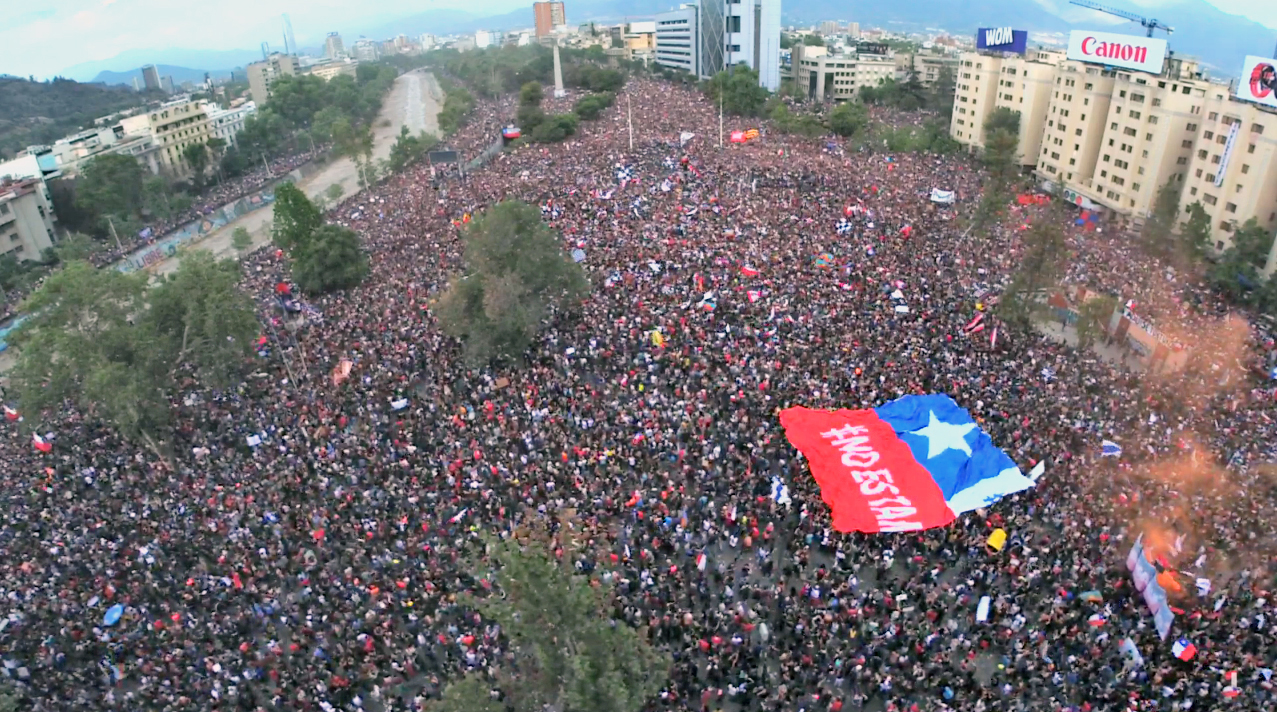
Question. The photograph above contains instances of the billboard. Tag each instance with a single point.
(1145, 54)
(1259, 81)
(1002, 39)
(871, 48)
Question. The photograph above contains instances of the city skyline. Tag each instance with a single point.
(97, 30)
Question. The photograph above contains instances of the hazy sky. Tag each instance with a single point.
(46, 36)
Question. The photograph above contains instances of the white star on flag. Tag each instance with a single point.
(943, 436)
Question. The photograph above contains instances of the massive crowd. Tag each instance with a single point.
(318, 569)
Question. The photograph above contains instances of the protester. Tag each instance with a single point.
(307, 548)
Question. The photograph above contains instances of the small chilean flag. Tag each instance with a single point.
(12, 414)
(1183, 649)
(754, 295)
(748, 271)
(701, 561)
(41, 444)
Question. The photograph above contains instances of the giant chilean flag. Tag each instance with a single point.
(914, 463)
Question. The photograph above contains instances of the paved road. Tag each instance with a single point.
(414, 101)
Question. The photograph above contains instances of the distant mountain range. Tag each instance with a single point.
(127, 62)
(179, 74)
(1219, 39)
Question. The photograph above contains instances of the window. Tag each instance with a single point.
(1141, 170)
(4, 208)
(1135, 187)
(1106, 158)
(1209, 199)
(1250, 149)
(1078, 132)
(1158, 102)
(1208, 135)
(1137, 97)
(1239, 188)
(1230, 207)
(1128, 131)
(1202, 154)
(13, 237)
(1089, 86)
(1256, 128)
(1055, 156)
(1072, 161)
(1221, 139)
(1214, 160)
(1245, 169)
(1192, 191)
(1122, 94)
(1186, 144)
(1104, 174)
(733, 24)
(1213, 116)
(1225, 226)
(1191, 127)
(1133, 114)
(1152, 119)
(1210, 177)
(1148, 137)
(1199, 173)
(1118, 180)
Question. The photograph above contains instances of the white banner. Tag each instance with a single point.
(948, 197)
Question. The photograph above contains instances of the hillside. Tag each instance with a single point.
(40, 112)
(179, 74)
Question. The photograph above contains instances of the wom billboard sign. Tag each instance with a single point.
(1002, 39)
(1145, 54)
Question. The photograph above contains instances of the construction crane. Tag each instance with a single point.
(1147, 22)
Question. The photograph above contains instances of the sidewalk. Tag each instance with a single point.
(1112, 354)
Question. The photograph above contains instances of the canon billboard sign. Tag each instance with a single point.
(1145, 54)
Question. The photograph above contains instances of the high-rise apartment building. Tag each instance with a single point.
(829, 27)
(333, 47)
(151, 76)
(985, 82)
(1233, 169)
(548, 17)
(261, 75)
(367, 50)
(853, 30)
(1146, 139)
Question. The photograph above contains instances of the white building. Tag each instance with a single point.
(729, 33)
(27, 222)
(226, 123)
(677, 40)
(483, 38)
(366, 51)
(427, 42)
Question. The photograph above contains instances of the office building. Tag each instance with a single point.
(333, 47)
(825, 75)
(261, 75)
(734, 33)
(151, 77)
(829, 27)
(985, 82)
(326, 69)
(548, 16)
(166, 83)
(1232, 173)
(366, 51)
(28, 225)
(926, 67)
(853, 30)
(427, 42)
(678, 41)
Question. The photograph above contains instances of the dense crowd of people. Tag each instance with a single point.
(307, 548)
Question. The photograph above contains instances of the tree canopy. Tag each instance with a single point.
(117, 347)
(111, 184)
(330, 259)
(849, 118)
(296, 218)
(515, 275)
(738, 90)
(569, 653)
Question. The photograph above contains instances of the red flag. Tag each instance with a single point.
(11, 414)
(748, 271)
(41, 444)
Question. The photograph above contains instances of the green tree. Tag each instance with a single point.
(240, 239)
(1237, 271)
(296, 218)
(1093, 319)
(738, 90)
(851, 118)
(1001, 157)
(1158, 231)
(75, 247)
(155, 197)
(1045, 256)
(111, 185)
(334, 192)
(1195, 233)
(570, 653)
(516, 274)
(555, 128)
(590, 106)
(531, 94)
(942, 93)
(813, 40)
(116, 347)
(331, 259)
(321, 125)
(1003, 119)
